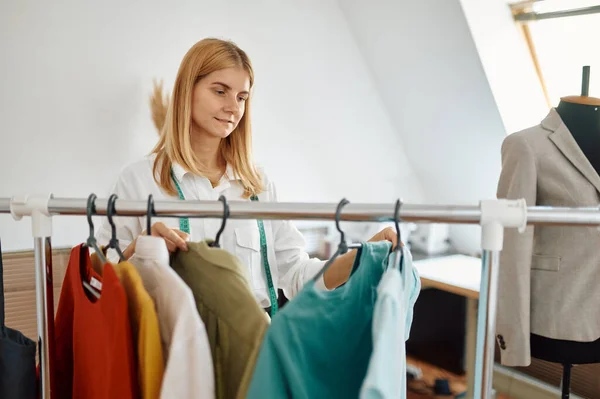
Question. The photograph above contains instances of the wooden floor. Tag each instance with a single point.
(423, 389)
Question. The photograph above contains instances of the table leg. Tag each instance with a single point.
(470, 344)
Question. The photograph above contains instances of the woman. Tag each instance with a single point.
(204, 151)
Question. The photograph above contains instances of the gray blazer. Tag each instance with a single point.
(549, 277)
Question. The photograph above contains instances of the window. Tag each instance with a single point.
(563, 36)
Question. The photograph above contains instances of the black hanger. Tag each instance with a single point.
(215, 244)
(149, 213)
(398, 252)
(110, 211)
(91, 240)
(343, 247)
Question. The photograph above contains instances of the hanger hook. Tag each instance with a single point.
(91, 210)
(398, 253)
(397, 222)
(342, 247)
(149, 214)
(338, 213)
(225, 217)
(110, 211)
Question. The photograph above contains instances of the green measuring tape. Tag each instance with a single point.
(184, 225)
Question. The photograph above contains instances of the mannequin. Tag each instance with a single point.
(583, 121)
(581, 115)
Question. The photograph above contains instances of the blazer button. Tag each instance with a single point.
(501, 341)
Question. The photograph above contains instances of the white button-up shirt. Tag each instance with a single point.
(189, 370)
(289, 263)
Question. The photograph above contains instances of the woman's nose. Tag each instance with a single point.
(231, 105)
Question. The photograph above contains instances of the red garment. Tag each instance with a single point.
(94, 349)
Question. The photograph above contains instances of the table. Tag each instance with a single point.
(461, 275)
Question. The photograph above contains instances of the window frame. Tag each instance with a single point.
(523, 13)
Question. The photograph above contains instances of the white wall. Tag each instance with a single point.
(507, 63)
(75, 78)
(430, 76)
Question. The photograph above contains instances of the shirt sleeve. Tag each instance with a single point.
(294, 264)
(128, 228)
(518, 179)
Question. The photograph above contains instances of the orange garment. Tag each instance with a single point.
(145, 330)
(94, 349)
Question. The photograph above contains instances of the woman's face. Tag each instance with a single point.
(219, 102)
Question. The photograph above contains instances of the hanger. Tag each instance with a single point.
(91, 241)
(110, 211)
(215, 244)
(398, 261)
(583, 99)
(343, 247)
(149, 213)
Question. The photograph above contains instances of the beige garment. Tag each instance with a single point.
(549, 275)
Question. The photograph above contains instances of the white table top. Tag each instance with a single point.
(458, 274)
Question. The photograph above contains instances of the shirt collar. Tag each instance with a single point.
(180, 172)
(155, 248)
(230, 174)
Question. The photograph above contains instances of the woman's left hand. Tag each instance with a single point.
(340, 269)
(387, 234)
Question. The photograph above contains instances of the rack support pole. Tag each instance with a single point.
(41, 221)
(495, 216)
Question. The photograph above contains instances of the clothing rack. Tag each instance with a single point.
(492, 215)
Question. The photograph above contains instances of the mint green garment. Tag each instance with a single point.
(392, 318)
(320, 343)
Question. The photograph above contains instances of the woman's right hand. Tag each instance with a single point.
(174, 238)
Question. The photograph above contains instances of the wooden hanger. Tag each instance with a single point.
(583, 99)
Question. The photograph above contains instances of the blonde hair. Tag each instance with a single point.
(172, 117)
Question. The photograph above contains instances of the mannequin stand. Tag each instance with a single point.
(567, 353)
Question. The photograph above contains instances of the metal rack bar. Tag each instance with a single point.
(453, 214)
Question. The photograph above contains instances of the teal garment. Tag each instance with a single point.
(319, 345)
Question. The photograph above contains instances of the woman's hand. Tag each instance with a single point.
(174, 238)
(339, 271)
(387, 234)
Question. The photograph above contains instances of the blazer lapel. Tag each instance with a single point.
(565, 142)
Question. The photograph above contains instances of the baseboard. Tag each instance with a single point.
(518, 385)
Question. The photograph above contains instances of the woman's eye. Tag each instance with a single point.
(242, 98)
(220, 92)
